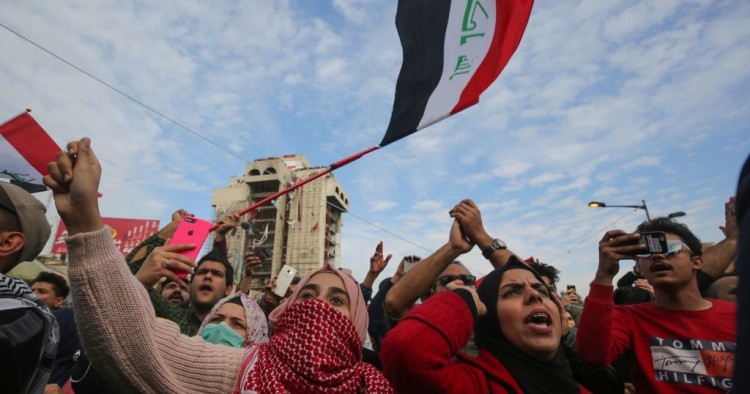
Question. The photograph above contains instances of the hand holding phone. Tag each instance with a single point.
(284, 280)
(655, 241)
(191, 230)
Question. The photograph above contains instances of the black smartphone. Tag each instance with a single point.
(655, 241)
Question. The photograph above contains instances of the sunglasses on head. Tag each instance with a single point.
(468, 280)
(674, 247)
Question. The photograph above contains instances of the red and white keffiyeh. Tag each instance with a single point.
(315, 349)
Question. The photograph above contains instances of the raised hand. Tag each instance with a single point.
(614, 246)
(377, 262)
(163, 262)
(74, 179)
(457, 240)
(180, 214)
(252, 261)
(226, 224)
(467, 214)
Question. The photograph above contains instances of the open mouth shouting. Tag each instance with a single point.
(539, 321)
(206, 287)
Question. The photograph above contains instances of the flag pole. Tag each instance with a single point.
(302, 182)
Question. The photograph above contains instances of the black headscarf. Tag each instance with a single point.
(533, 375)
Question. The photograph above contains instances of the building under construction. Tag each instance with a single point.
(301, 229)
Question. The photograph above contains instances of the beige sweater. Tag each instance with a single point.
(125, 341)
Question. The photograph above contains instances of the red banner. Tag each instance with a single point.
(127, 233)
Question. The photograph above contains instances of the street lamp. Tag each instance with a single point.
(676, 215)
(599, 204)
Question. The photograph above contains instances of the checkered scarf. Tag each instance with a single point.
(315, 349)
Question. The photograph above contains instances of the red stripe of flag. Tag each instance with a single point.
(31, 141)
(510, 23)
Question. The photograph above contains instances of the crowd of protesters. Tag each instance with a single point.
(669, 325)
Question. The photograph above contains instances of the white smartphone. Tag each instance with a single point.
(284, 279)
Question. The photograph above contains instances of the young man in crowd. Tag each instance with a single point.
(28, 331)
(680, 342)
(212, 280)
(51, 289)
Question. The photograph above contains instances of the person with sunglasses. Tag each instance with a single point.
(680, 342)
(441, 270)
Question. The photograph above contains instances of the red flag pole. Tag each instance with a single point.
(302, 182)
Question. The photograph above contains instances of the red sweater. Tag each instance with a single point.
(669, 351)
(421, 354)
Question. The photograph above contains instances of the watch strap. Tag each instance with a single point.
(495, 245)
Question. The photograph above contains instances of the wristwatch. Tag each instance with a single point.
(495, 245)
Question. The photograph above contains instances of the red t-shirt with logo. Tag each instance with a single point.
(669, 351)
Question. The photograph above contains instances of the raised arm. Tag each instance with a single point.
(130, 347)
(418, 354)
(468, 215)
(422, 277)
(602, 336)
(138, 255)
(719, 257)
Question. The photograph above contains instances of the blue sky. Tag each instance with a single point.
(617, 101)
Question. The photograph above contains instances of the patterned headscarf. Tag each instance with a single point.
(315, 349)
(357, 306)
(257, 328)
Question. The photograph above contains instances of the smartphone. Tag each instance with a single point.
(655, 241)
(410, 262)
(191, 230)
(284, 279)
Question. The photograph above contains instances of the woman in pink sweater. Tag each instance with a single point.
(319, 331)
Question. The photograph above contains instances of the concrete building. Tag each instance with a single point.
(301, 229)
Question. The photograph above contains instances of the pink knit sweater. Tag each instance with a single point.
(128, 345)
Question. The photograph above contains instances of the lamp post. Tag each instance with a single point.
(599, 204)
(676, 215)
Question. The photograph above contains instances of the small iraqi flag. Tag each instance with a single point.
(453, 50)
(25, 151)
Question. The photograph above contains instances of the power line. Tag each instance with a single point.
(122, 93)
(401, 237)
(593, 234)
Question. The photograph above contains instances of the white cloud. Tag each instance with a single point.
(382, 205)
(604, 100)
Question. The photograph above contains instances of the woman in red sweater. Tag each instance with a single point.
(518, 329)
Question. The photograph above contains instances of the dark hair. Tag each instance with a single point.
(295, 280)
(236, 300)
(164, 284)
(631, 295)
(216, 256)
(546, 270)
(57, 282)
(670, 226)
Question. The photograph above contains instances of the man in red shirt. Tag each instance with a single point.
(681, 342)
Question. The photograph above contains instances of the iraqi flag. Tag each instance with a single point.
(25, 150)
(453, 50)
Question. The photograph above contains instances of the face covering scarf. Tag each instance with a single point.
(315, 349)
(222, 334)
